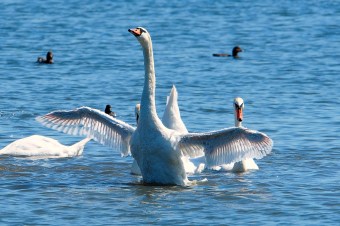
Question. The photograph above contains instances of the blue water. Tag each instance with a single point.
(288, 76)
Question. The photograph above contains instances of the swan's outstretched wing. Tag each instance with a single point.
(172, 117)
(226, 146)
(93, 123)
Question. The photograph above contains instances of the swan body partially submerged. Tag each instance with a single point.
(43, 147)
(157, 149)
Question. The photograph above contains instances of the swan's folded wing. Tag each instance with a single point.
(226, 146)
(172, 117)
(92, 123)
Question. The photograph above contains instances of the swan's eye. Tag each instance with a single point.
(141, 30)
(238, 106)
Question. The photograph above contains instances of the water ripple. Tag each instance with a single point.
(287, 75)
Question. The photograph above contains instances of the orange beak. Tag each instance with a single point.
(135, 31)
(239, 114)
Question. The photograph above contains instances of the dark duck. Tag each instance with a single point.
(109, 111)
(235, 52)
(48, 60)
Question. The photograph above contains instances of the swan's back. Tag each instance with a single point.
(37, 145)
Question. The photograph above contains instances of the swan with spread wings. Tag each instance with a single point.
(157, 149)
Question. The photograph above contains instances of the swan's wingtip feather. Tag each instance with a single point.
(228, 145)
(38, 118)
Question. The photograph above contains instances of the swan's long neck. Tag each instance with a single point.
(148, 105)
(237, 122)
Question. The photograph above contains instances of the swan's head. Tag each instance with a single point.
(141, 34)
(137, 112)
(236, 50)
(238, 110)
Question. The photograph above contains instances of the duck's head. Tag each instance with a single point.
(49, 57)
(238, 111)
(141, 34)
(137, 112)
(108, 109)
(236, 50)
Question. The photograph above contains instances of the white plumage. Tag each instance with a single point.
(157, 149)
(43, 147)
(172, 117)
(245, 164)
(93, 123)
(172, 120)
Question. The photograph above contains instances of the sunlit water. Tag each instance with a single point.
(288, 76)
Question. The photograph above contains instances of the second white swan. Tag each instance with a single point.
(38, 146)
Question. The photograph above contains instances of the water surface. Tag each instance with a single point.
(287, 75)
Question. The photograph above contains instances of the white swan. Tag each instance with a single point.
(157, 149)
(245, 164)
(43, 147)
(172, 120)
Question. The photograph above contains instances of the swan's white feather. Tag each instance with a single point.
(93, 123)
(226, 146)
(172, 117)
(43, 147)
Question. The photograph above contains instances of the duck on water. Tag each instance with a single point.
(234, 54)
(48, 60)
